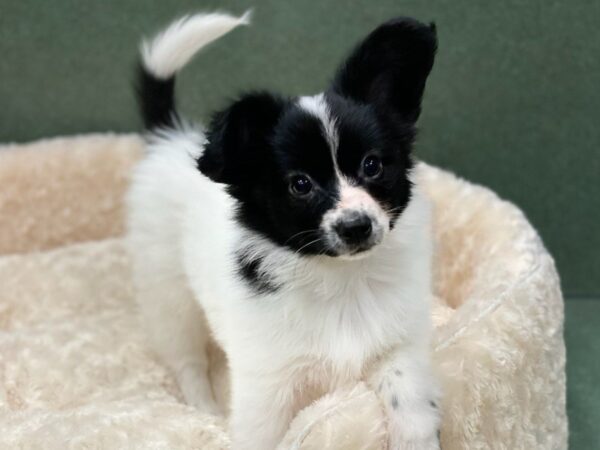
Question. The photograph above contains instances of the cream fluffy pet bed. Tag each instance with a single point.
(75, 370)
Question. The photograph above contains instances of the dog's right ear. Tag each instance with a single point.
(389, 68)
(239, 137)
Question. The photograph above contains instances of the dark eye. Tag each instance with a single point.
(372, 166)
(300, 185)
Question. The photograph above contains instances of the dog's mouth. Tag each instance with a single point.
(357, 254)
(361, 249)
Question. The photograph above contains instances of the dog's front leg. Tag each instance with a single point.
(410, 395)
(261, 410)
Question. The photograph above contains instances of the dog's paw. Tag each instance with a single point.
(412, 425)
(411, 432)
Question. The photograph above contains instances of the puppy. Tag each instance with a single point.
(291, 231)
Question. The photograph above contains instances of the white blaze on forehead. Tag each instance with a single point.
(316, 105)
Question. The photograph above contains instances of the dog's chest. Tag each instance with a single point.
(345, 328)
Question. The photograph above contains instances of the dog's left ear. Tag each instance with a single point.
(238, 139)
(390, 67)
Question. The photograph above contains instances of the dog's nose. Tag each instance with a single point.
(354, 229)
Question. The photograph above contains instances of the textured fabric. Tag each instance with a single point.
(75, 368)
(501, 353)
(60, 190)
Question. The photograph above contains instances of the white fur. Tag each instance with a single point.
(172, 49)
(332, 322)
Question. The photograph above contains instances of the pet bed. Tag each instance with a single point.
(76, 371)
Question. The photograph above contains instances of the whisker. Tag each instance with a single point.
(307, 244)
(395, 209)
(299, 234)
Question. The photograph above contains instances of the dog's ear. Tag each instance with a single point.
(389, 68)
(238, 138)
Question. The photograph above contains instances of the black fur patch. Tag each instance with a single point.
(156, 99)
(250, 271)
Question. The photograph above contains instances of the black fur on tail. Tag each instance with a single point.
(156, 99)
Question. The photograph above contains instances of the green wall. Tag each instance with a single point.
(513, 102)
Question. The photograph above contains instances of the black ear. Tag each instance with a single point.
(238, 138)
(390, 67)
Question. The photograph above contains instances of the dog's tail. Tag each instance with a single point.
(165, 54)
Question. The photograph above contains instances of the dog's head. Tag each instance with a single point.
(329, 174)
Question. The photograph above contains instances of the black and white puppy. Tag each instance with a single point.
(293, 232)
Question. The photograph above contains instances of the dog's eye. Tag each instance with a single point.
(372, 166)
(300, 185)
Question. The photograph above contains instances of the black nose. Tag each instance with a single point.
(355, 229)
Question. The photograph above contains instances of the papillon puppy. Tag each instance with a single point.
(293, 231)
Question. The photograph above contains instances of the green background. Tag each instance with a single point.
(512, 103)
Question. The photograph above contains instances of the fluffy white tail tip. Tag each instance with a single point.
(170, 50)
